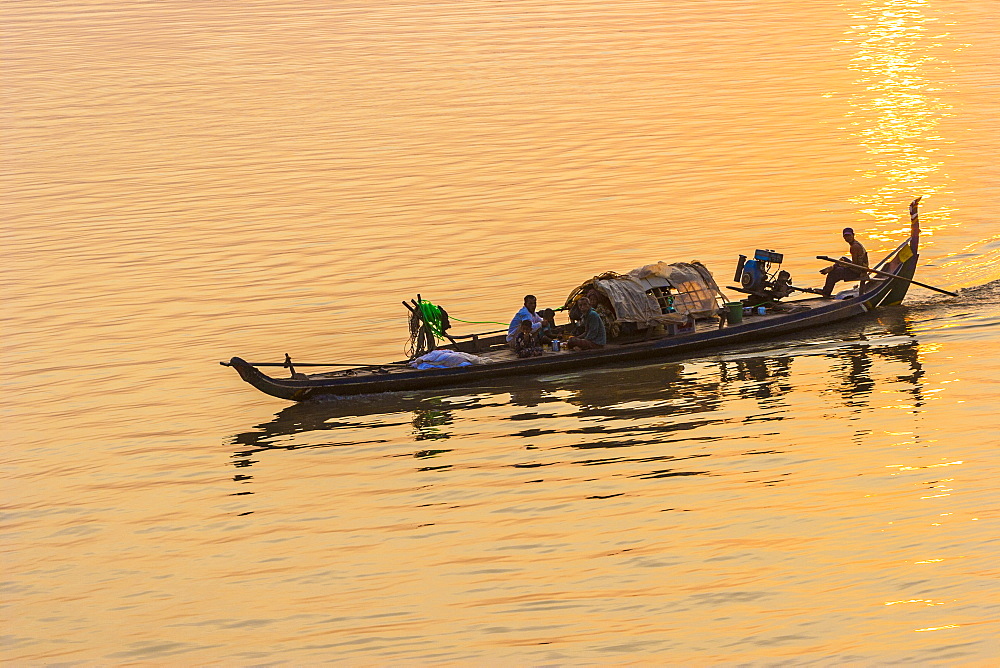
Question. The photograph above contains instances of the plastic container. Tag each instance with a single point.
(735, 312)
(555, 346)
(761, 310)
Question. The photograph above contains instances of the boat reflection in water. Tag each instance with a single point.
(855, 365)
(613, 408)
(760, 378)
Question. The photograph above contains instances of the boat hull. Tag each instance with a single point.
(881, 293)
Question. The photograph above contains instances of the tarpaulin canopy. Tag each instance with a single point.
(690, 283)
(629, 299)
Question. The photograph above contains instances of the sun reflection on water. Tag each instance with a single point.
(894, 115)
(938, 628)
(902, 467)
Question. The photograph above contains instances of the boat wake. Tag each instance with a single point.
(974, 296)
(987, 293)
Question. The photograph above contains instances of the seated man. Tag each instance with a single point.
(593, 296)
(527, 312)
(839, 272)
(593, 335)
(525, 342)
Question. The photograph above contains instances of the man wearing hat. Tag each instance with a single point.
(841, 273)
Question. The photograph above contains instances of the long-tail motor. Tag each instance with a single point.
(757, 278)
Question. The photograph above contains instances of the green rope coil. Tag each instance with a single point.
(431, 315)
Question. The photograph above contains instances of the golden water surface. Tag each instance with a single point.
(186, 181)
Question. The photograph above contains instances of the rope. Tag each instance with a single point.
(432, 318)
(477, 322)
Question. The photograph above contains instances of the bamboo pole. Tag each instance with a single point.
(885, 273)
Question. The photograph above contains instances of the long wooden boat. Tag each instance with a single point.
(888, 287)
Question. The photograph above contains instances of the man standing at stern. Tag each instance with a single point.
(839, 272)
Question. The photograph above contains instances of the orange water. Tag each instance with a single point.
(183, 182)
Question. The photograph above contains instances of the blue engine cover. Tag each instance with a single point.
(753, 276)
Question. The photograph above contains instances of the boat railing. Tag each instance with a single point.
(475, 343)
(477, 335)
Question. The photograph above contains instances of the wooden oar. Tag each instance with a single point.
(885, 273)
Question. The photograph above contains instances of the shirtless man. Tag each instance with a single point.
(841, 273)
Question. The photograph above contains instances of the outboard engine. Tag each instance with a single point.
(756, 278)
